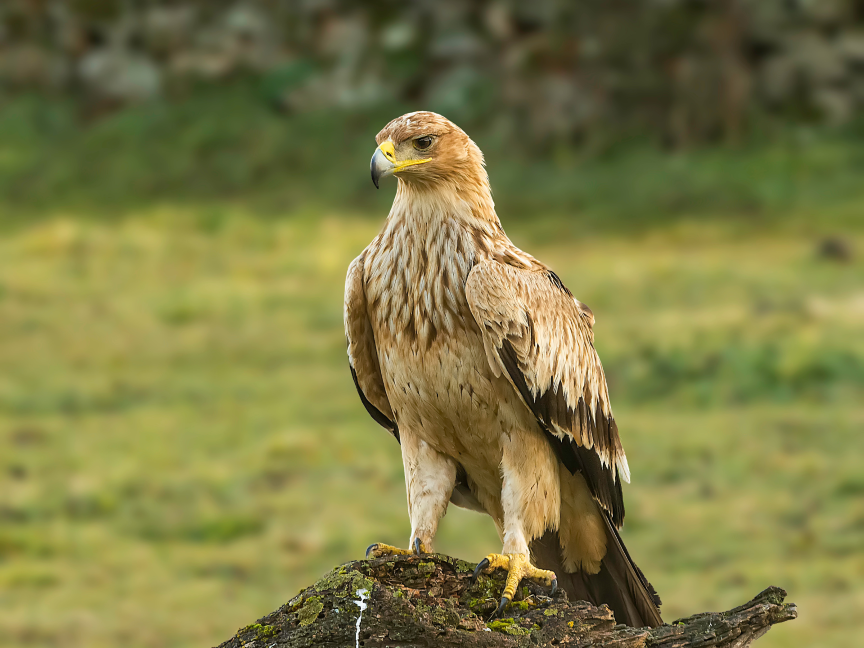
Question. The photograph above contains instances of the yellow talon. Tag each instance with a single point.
(518, 566)
(379, 549)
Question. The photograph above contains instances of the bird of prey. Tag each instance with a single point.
(481, 363)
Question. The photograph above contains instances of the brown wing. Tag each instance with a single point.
(539, 336)
(362, 354)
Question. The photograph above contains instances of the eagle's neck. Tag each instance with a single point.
(467, 200)
(463, 213)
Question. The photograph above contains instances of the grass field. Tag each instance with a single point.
(182, 448)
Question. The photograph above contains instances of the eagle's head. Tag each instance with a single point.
(425, 148)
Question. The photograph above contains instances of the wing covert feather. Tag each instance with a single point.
(362, 353)
(540, 337)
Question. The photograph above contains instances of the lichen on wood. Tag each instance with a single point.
(431, 601)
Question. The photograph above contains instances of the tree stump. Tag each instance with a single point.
(430, 601)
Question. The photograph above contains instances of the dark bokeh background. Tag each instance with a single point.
(183, 184)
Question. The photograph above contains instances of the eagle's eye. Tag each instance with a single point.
(423, 143)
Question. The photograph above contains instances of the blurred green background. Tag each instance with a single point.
(183, 185)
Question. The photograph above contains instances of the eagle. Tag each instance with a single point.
(481, 363)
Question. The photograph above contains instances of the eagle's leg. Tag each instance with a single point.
(530, 504)
(429, 479)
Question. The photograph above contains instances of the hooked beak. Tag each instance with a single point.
(384, 162)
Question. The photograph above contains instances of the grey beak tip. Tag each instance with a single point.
(380, 167)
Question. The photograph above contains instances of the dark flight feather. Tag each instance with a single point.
(551, 408)
(374, 412)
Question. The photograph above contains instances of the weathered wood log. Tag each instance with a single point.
(431, 601)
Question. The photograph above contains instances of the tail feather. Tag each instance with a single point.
(620, 584)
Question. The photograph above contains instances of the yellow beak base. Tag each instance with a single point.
(384, 162)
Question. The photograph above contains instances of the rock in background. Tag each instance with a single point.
(685, 71)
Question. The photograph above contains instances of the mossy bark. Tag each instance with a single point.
(430, 601)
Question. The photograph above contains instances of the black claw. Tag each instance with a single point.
(370, 548)
(554, 586)
(502, 605)
(417, 551)
(483, 564)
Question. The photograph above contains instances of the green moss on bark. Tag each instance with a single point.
(508, 626)
(310, 610)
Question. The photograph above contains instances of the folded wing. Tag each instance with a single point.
(540, 338)
(362, 354)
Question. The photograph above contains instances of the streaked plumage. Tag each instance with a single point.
(481, 363)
